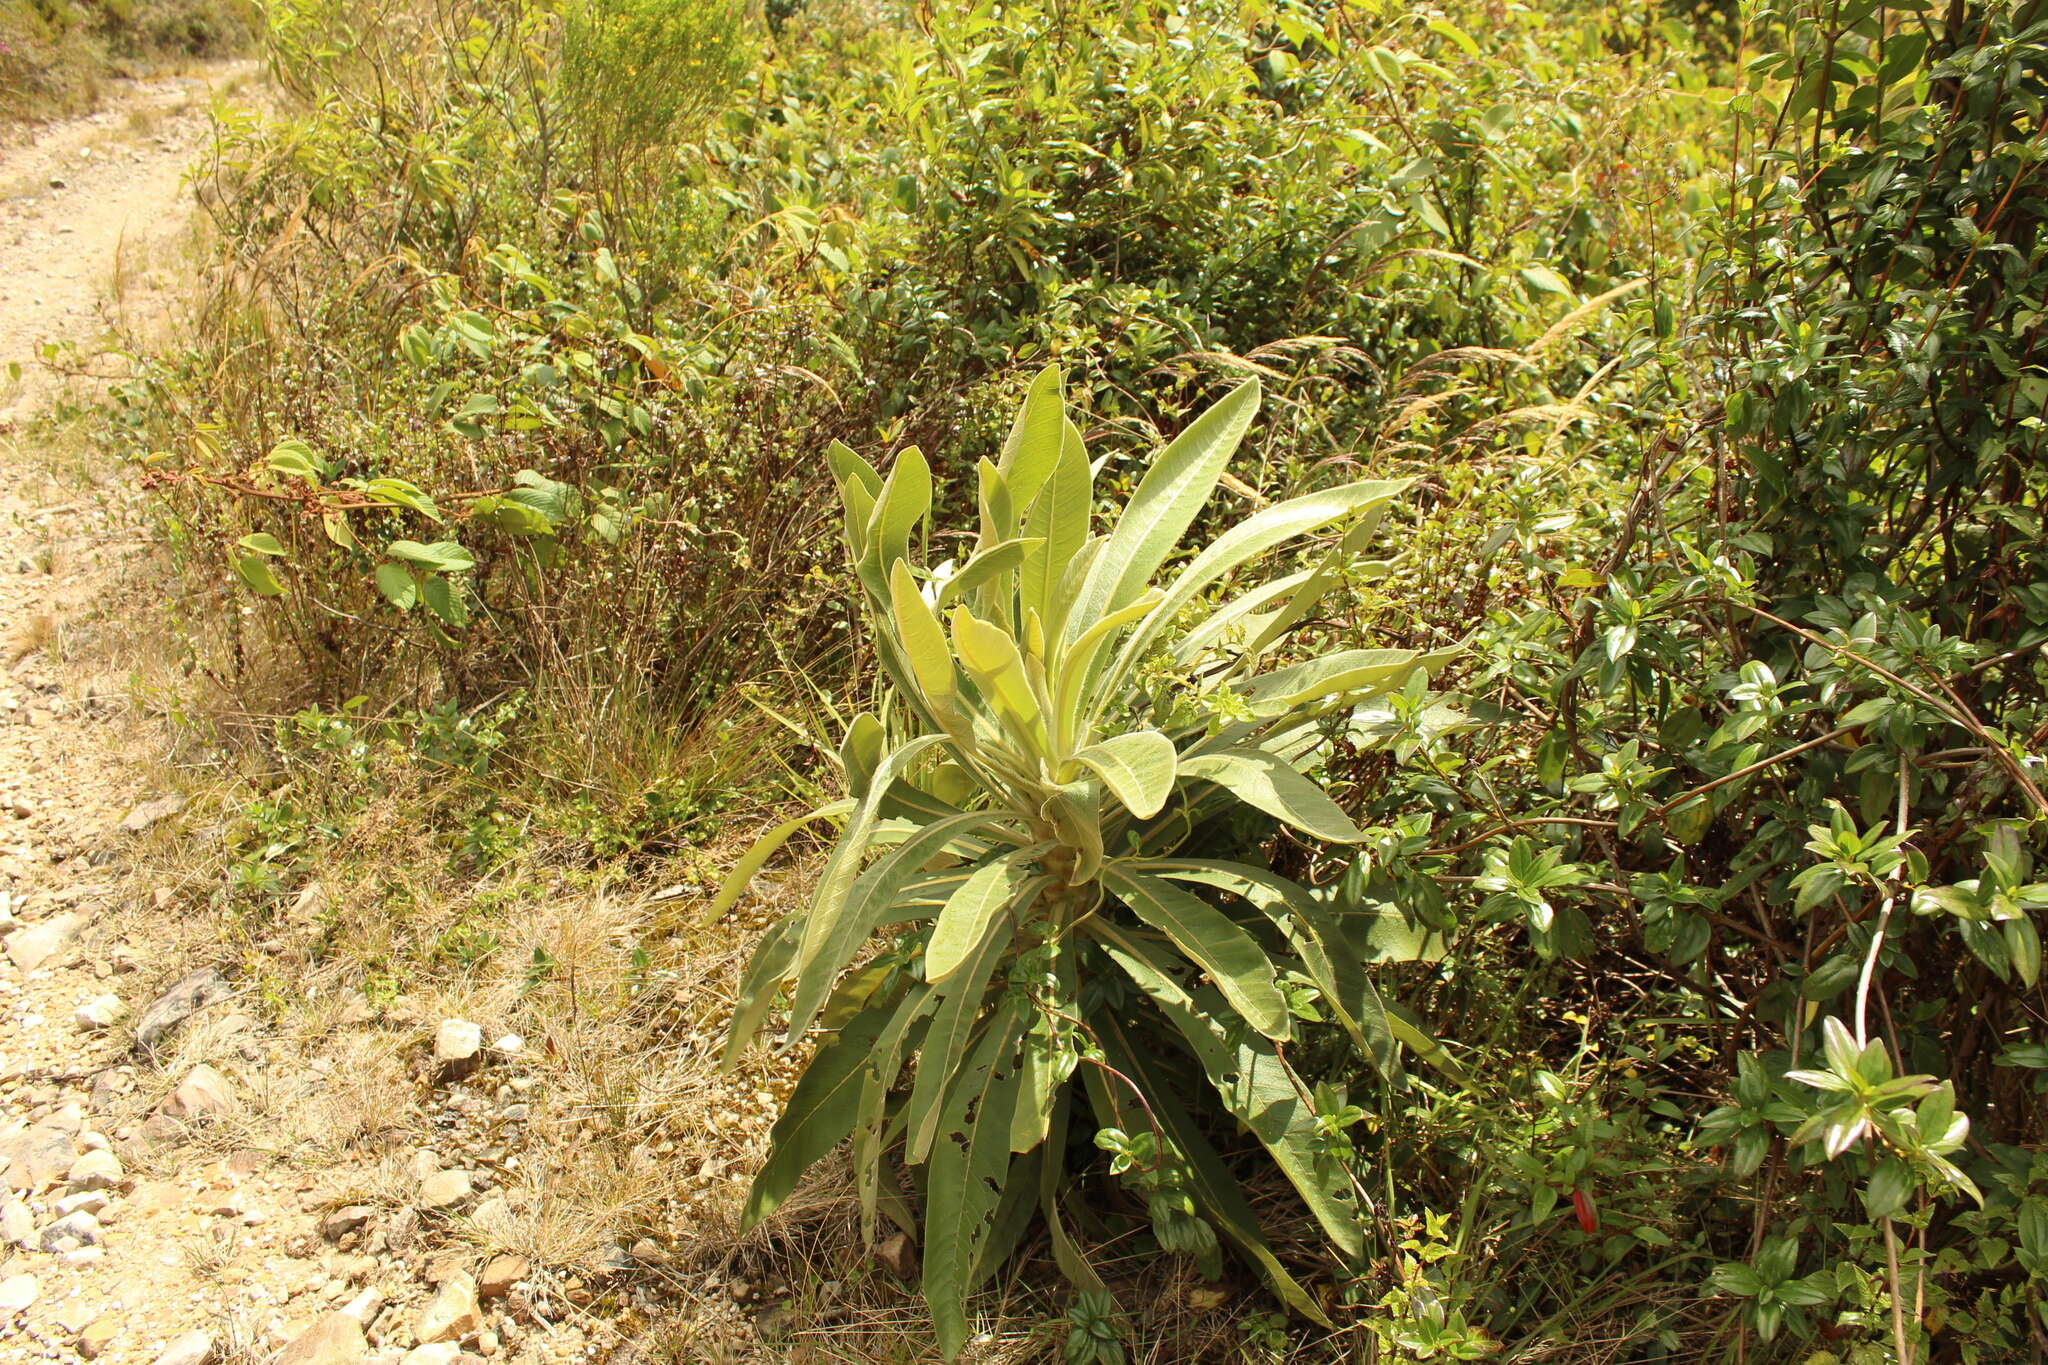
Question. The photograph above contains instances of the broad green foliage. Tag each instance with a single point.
(1028, 825)
(1709, 337)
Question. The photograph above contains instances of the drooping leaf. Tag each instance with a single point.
(444, 601)
(1255, 1085)
(819, 1115)
(760, 988)
(1266, 783)
(1205, 934)
(255, 572)
(822, 926)
(1217, 1193)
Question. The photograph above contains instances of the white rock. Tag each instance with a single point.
(99, 1170)
(98, 1014)
(193, 1348)
(93, 1202)
(433, 1353)
(16, 1293)
(457, 1040)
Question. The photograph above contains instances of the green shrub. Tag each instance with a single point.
(638, 76)
(1044, 793)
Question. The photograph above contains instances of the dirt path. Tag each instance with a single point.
(149, 1214)
(84, 205)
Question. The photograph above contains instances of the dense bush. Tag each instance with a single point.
(1706, 344)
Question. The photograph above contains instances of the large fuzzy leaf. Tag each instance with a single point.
(820, 1113)
(946, 1041)
(874, 898)
(822, 926)
(1071, 698)
(1246, 541)
(906, 497)
(1137, 767)
(964, 919)
(1207, 936)
(1164, 505)
(1326, 950)
(878, 1079)
(922, 637)
(985, 566)
(1032, 449)
(1058, 520)
(969, 1159)
(1351, 673)
(859, 486)
(1262, 781)
(1255, 1086)
(992, 659)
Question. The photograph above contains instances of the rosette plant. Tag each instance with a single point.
(1021, 936)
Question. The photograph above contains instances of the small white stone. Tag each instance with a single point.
(98, 1014)
(457, 1040)
(16, 1293)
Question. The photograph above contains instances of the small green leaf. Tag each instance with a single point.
(254, 571)
(398, 585)
(262, 543)
(444, 555)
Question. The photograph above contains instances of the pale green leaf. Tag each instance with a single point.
(445, 556)
(923, 639)
(1032, 448)
(1164, 505)
(1206, 935)
(963, 921)
(1138, 767)
(398, 585)
(255, 573)
(1266, 783)
(946, 1041)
